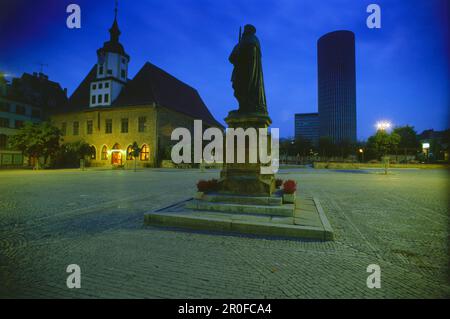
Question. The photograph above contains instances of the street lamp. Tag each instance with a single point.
(426, 149)
(361, 151)
(383, 125)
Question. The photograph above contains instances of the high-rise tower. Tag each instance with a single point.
(337, 86)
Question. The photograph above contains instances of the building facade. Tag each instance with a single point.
(111, 112)
(30, 98)
(337, 86)
(307, 126)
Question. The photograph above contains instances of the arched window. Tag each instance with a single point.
(93, 152)
(3, 141)
(145, 153)
(104, 153)
(116, 146)
(129, 152)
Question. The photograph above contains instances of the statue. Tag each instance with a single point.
(247, 77)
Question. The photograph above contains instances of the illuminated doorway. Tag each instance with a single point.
(116, 155)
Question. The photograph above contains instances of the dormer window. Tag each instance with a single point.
(122, 74)
(100, 69)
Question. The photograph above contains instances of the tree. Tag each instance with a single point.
(70, 154)
(382, 142)
(409, 141)
(135, 151)
(37, 140)
(326, 146)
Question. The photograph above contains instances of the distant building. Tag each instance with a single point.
(435, 144)
(111, 112)
(337, 86)
(307, 126)
(30, 98)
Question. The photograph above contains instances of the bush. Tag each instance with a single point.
(278, 182)
(289, 187)
(208, 186)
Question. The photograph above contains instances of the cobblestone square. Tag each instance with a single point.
(94, 218)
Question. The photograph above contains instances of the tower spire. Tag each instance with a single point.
(114, 31)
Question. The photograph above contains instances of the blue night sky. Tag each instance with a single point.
(402, 68)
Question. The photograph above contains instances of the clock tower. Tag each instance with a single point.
(112, 69)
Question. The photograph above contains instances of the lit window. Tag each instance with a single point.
(104, 153)
(145, 153)
(130, 152)
(93, 152)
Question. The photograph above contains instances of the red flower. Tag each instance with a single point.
(289, 187)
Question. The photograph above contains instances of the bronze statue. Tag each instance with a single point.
(247, 78)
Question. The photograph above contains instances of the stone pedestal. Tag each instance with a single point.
(246, 178)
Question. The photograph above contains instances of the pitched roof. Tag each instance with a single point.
(151, 85)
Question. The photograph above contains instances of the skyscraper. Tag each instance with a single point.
(337, 86)
(307, 126)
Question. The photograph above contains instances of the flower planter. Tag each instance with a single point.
(289, 198)
(199, 195)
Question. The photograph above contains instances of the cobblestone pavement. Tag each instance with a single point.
(50, 219)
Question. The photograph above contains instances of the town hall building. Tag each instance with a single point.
(110, 112)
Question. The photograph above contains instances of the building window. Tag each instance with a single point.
(122, 74)
(76, 128)
(109, 71)
(107, 85)
(124, 126)
(3, 141)
(20, 109)
(93, 152)
(93, 99)
(124, 60)
(145, 153)
(94, 86)
(4, 122)
(18, 124)
(100, 69)
(63, 129)
(89, 126)
(100, 85)
(4, 107)
(106, 98)
(130, 152)
(108, 126)
(104, 153)
(36, 113)
(141, 124)
(99, 99)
